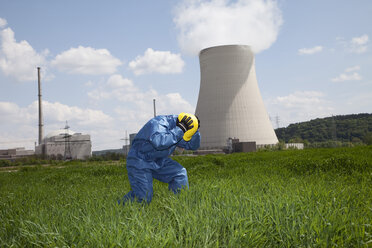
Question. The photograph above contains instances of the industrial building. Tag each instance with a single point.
(14, 153)
(66, 144)
(299, 146)
(62, 143)
(230, 105)
(126, 147)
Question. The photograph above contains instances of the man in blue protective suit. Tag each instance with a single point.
(148, 156)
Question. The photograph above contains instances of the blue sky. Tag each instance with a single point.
(103, 62)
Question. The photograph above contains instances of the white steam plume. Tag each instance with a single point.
(204, 24)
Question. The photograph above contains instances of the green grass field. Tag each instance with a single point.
(308, 198)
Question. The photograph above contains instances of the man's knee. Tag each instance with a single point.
(179, 182)
(183, 173)
(141, 184)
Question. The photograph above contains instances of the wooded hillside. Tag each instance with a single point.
(355, 128)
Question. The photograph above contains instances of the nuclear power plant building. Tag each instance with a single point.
(229, 103)
(66, 144)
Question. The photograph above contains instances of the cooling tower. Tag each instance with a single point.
(230, 104)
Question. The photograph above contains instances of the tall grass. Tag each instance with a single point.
(309, 198)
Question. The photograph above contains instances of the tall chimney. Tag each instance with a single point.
(40, 109)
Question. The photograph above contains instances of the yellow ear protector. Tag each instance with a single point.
(189, 133)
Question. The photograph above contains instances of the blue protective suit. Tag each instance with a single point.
(148, 158)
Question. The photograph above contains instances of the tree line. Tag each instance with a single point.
(354, 129)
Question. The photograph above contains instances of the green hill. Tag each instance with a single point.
(355, 128)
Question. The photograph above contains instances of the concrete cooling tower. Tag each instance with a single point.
(230, 103)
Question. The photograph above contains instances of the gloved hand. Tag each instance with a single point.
(186, 123)
(198, 121)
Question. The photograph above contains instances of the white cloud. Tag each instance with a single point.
(359, 44)
(18, 59)
(123, 90)
(89, 83)
(86, 60)
(362, 40)
(57, 113)
(136, 105)
(11, 112)
(358, 103)
(3, 23)
(97, 94)
(299, 106)
(204, 24)
(117, 81)
(163, 62)
(173, 103)
(300, 98)
(53, 113)
(134, 116)
(312, 50)
(302, 106)
(349, 75)
(116, 87)
(354, 68)
(21, 124)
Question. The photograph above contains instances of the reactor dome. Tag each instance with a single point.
(59, 133)
(66, 144)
